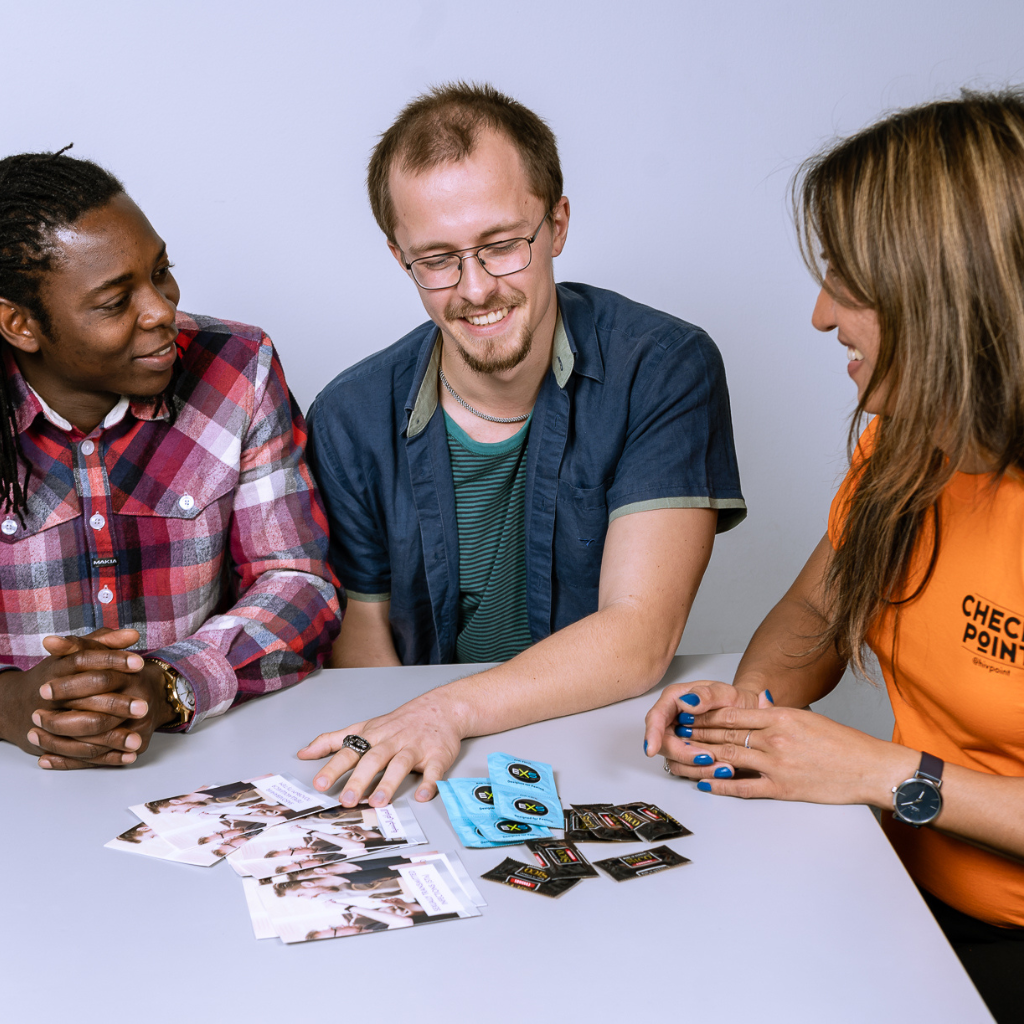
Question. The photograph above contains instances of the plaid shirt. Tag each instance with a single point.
(203, 531)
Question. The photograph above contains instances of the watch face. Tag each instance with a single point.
(185, 694)
(917, 801)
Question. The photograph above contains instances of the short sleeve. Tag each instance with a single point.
(679, 450)
(358, 552)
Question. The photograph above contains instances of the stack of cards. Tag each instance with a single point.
(205, 825)
(517, 802)
(357, 898)
(306, 867)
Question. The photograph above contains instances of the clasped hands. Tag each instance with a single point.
(90, 703)
(737, 743)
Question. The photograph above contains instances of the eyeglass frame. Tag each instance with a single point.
(473, 251)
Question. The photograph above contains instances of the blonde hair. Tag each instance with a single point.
(921, 218)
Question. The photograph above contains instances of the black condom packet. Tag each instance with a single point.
(601, 824)
(650, 823)
(524, 876)
(560, 858)
(647, 862)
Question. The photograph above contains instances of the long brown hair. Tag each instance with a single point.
(921, 218)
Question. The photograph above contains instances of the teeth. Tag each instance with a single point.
(853, 353)
(488, 318)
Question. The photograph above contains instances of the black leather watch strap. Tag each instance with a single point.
(930, 768)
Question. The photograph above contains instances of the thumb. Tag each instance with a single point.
(60, 646)
(765, 699)
(116, 639)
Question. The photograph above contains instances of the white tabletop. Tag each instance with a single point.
(789, 912)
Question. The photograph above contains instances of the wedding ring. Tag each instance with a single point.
(746, 742)
(356, 743)
(667, 767)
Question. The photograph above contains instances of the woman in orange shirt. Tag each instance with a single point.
(915, 230)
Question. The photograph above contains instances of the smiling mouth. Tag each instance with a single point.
(159, 353)
(853, 354)
(483, 319)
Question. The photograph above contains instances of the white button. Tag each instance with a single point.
(9, 526)
(106, 595)
(187, 502)
(88, 447)
(97, 522)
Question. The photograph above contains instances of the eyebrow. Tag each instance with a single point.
(126, 276)
(442, 247)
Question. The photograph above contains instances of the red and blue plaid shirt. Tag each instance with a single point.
(202, 529)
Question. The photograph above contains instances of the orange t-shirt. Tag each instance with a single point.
(958, 686)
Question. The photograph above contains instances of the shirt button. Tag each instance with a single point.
(88, 447)
(106, 595)
(97, 522)
(9, 526)
(187, 502)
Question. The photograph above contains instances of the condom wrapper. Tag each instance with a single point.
(470, 807)
(524, 791)
(561, 859)
(599, 823)
(647, 862)
(525, 876)
(649, 823)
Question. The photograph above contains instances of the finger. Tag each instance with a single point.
(741, 737)
(660, 718)
(368, 766)
(86, 747)
(432, 772)
(715, 770)
(398, 768)
(90, 673)
(327, 743)
(743, 719)
(746, 789)
(115, 638)
(117, 705)
(74, 723)
(342, 762)
(112, 759)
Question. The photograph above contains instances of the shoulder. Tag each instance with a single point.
(207, 344)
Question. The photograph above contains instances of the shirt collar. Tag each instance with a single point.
(29, 403)
(563, 358)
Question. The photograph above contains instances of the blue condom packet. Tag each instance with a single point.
(525, 791)
(476, 807)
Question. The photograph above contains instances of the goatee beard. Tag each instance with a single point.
(488, 362)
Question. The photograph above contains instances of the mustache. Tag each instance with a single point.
(458, 309)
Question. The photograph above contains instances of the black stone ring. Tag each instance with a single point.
(356, 743)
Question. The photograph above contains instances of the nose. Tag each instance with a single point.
(476, 285)
(158, 309)
(823, 318)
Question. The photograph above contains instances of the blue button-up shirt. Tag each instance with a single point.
(633, 416)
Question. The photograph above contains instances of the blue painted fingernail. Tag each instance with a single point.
(686, 744)
(768, 694)
(690, 698)
(683, 730)
(725, 772)
(685, 718)
(645, 746)
(704, 786)
(703, 759)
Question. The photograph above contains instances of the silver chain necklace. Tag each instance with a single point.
(476, 412)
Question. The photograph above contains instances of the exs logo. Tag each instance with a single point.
(530, 807)
(523, 773)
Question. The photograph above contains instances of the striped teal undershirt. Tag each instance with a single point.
(490, 485)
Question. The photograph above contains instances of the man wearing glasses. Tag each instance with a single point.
(535, 477)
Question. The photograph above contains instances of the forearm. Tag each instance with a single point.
(982, 809)
(365, 639)
(608, 656)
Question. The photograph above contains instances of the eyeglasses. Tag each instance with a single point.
(499, 259)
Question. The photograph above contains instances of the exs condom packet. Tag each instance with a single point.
(524, 790)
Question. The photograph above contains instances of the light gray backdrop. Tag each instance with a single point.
(243, 129)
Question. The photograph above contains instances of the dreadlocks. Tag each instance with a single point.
(39, 194)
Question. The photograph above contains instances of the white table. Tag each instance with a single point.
(789, 912)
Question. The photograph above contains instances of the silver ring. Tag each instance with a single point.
(746, 742)
(667, 767)
(356, 743)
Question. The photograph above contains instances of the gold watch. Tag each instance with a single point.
(178, 692)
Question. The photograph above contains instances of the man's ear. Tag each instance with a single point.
(19, 328)
(560, 223)
(397, 253)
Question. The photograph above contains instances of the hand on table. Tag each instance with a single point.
(796, 754)
(422, 736)
(91, 703)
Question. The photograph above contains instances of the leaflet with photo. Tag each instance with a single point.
(524, 790)
(142, 839)
(328, 836)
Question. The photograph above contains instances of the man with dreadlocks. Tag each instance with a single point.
(161, 542)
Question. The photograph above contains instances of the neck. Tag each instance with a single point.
(83, 409)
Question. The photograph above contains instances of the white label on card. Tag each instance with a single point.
(430, 890)
(291, 794)
(389, 824)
